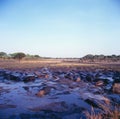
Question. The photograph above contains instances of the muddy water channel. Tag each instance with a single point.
(57, 93)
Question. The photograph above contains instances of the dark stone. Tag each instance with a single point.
(116, 77)
(116, 80)
(116, 88)
(89, 78)
(69, 76)
(14, 77)
(92, 103)
(105, 81)
(2, 73)
(44, 91)
(99, 83)
(29, 78)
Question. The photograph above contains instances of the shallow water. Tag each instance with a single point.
(64, 98)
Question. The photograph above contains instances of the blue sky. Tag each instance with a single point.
(60, 28)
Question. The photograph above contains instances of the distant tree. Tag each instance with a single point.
(101, 57)
(114, 58)
(3, 55)
(89, 57)
(18, 55)
(12, 55)
(118, 56)
(114, 55)
(36, 56)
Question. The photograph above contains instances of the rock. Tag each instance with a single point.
(78, 79)
(45, 71)
(38, 74)
(44, 91)
(69, 76)
(2, 72)
(29, 78)
(73, 76)
(46, 76)
(15, 77)
(92, 103)
(89, 78)
(56, 78)
(12, 76)
(96, 98)
(117, 80)
(116, 77)
(26, 88)
(99, 83)
(116, 88)
(41, 93)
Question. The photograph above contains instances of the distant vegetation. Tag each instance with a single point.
(100, 58)
(3, 55)
(88, 58)
(18, 55)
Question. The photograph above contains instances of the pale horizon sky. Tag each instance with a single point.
(60, 28)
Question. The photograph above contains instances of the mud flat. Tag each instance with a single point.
(58, 92)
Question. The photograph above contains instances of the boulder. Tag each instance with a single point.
(38, 74)
(44, 91)
(78, 79)
(41, 93)
(12, 76)
(2, 72)
(99, 83)
(29, 78)
(92, 102)
(46, 76)
(100, 80)
(69, 76)
(15, 77)
(116, 88)
(117, 80)
(89, 78)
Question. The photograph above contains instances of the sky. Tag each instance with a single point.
(60, 28)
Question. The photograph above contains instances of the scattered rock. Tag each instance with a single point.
(15, 77)
(99, 83)
(116, 88)
(61, 89)
(12, 76)
(78, 79)
(89, 78)
(38, 74)
(117, 80)
(44, 91)
(92, 103)
(69, 76)
(29, 78)
(41, 93)
(2, 72)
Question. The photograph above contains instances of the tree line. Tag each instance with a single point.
(17, 55)
(87, 58)
(97, 58)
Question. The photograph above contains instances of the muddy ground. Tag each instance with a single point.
(58, 92)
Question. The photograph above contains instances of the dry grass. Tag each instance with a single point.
(14, 64)
(93, 115)
(106, 114)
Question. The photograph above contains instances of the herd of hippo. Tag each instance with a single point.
(58, 93)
